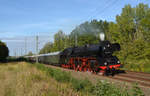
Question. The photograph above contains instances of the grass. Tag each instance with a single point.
(65, 77)
(25, 79)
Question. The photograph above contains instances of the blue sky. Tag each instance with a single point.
(20, 19)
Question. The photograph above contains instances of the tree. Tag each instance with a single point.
(59, 40)
(4, 52)
(30, 53)
(132, 31)
(47, 48)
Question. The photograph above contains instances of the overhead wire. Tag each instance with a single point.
(104, 9)
(93, 12)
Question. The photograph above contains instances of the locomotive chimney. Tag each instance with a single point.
(102, 36)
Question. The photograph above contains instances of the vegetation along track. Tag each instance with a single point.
(143, 79)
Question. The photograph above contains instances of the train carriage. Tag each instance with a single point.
(50, 58)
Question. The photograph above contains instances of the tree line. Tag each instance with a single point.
(131, 29)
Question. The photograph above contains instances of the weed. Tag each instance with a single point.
(136, 90)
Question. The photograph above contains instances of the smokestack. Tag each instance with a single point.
(102, 36)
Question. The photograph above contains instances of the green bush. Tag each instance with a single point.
(108, 89)
(81, 85)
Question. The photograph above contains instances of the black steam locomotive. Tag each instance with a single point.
(94, 58)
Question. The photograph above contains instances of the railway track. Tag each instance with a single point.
(142, 79)
(140, 82)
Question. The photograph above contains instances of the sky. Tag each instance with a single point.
(22, 20)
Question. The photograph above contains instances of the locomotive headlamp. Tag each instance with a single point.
(104, 48)
(118, 61)
(108, 45)
(105, 63)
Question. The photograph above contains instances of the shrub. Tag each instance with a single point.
(81, 85)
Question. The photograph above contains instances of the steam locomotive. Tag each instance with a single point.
(94, 58)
